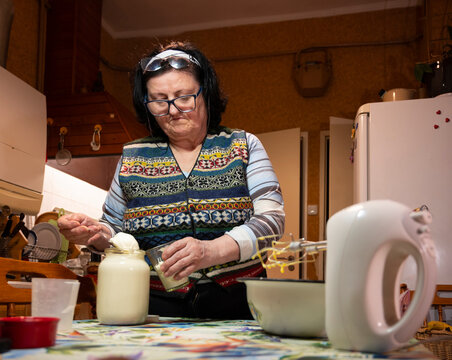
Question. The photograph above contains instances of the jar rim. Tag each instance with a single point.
(114, 250)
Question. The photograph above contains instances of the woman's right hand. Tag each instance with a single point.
(83, 230)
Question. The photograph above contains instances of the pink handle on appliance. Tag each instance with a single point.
(385, 324)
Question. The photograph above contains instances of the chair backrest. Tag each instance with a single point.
(11, 296)
(440, 301)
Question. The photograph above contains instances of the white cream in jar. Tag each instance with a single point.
(124, 241)
(123, 287)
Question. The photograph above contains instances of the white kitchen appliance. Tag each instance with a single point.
(402, 152)
(367, 245)
(23, 136)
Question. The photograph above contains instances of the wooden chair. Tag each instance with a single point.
(438, 301)
(11, 296)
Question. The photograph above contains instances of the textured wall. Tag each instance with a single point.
(439, 16)
(23, 43)
(263, 86)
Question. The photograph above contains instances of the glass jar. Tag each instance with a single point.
(123, 288)
(75, 266)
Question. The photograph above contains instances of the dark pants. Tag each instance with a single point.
(205, 301)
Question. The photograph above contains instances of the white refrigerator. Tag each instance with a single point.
(402, 150)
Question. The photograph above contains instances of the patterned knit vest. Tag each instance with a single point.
(163, 205)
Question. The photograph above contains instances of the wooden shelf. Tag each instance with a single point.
(80, 113)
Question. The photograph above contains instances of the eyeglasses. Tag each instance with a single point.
(176, 62)
(184, 103)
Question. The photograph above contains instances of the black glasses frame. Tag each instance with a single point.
(172, 102)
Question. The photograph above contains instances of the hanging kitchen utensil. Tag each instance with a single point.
(63, 156)
(95, 143)
(312, 71)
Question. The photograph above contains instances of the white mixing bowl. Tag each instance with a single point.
(287, 307)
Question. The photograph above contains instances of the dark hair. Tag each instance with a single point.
(206, 76)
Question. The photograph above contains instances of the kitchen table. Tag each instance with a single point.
(175, 338)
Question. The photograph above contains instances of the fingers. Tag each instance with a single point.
(183, 257)
(79, 234)
(182, 268)
(99, 241)
(185, 272)
(73, 220)
(174, 248)
(81, 229)
(67, 222)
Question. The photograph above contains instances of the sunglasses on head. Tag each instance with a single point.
(176, 62)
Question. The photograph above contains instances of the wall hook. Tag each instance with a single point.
(95, 142)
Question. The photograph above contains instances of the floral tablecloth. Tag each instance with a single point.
(171, 338)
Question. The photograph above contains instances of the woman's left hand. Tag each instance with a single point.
(187, 255)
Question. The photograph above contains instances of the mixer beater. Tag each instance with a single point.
(269, 255)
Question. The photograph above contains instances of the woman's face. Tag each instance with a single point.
(179, 126)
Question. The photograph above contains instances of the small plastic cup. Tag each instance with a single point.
(155, 256)
(55, 298)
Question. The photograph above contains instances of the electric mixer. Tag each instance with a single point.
(367, 246)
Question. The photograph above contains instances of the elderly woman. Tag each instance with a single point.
(211, 188)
